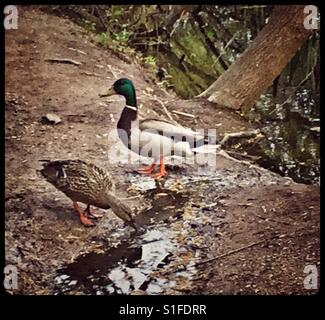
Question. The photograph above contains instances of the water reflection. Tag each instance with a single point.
(291, 146)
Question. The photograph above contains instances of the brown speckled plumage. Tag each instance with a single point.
(84, 182)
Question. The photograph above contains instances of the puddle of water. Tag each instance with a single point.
(129, 266)
(122, 270)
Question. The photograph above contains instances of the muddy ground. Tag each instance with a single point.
(236, 229)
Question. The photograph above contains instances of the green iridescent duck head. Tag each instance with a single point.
(125, 88)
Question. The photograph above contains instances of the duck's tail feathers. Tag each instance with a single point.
(120, 208)
(197, 142)
(207, 148)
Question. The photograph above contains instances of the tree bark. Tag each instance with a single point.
(246, 79)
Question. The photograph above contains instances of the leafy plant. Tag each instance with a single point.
(103, 38)
(150, 60)
(122, 36)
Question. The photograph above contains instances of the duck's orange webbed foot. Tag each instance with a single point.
(83, 219)
(148, 169)
(162, 172)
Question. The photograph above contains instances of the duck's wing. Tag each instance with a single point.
(166, 128)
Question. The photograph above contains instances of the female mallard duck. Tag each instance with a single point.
(84, 182)
(151, 137)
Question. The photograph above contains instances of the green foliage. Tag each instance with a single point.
(115, 12)
(103, 38)
(150, 60)
(122, 36)
(89, 25)
(211, 34)
(195, 49)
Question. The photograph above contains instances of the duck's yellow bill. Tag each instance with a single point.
(110, 92)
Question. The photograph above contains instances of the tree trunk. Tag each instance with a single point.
(246, 79)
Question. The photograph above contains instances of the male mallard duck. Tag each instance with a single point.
(162, 137)
(84, 182)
